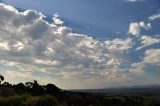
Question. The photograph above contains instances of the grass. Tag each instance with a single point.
(28, 100)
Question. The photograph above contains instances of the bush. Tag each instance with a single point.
(12, 101)
(46, 101)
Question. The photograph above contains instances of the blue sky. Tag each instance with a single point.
(100, 19)
(102, 43)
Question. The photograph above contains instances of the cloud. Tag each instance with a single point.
(143, 70)
(32, 48)
(152, 56)
(137, 68)
(57, 20)
(148, 40)
(30, 43)
(154, 17)
(135, 28)
(119, 44)
(133, 0)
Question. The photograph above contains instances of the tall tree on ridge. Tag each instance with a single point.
(1, 78)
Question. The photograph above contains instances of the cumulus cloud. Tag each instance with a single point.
(32, 48)
(57, 20)
(149, 63)
(119, 44)
(27, 42)
(148, 40)
(152, 56)
(135, 28)
(154, 17)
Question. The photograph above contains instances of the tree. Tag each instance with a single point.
(29, 84)
(37, 89)
(52, 89)
(7, 84)
(1, 78)
(19, 88)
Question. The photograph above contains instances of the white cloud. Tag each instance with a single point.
(137, 68)
(133, 0)
(32, 48)
(63, 30)
(57, 20)
(119, 44)
(152, 56)
(148, 40)
(34, 44)
(135, 28)
(154, 17)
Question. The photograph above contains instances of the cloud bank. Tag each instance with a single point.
(32, 48)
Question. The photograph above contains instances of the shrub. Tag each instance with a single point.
(28, 100)
(41, 101)
(46, 101)
(12, 101)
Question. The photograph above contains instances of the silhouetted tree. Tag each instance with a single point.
(19, 88)
(1, 78)
(7, 84)
(37, 89)
(52, 89)
(29, 84)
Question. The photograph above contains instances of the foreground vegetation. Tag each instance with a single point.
(33, 94)
(78, 100)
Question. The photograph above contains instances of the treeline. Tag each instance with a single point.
(32, 88)
(34, 94)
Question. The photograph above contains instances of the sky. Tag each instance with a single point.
(80, 44)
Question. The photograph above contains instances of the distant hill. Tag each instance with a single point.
(124, 89)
